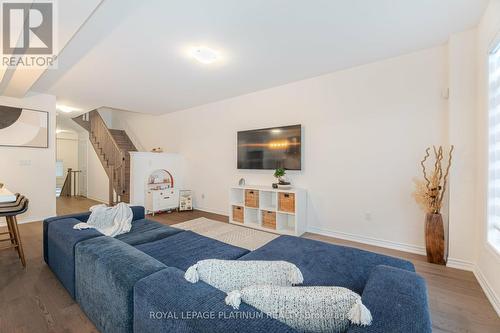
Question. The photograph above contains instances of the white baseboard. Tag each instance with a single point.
(460, 264)
(98, 200)
(210, 210)
(369, 240)
(490, 293)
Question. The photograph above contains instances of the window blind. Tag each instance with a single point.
(494, 149)
(59, 168)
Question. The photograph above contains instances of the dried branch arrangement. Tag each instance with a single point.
(429, 192)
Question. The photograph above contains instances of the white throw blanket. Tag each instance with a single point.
(307, 309)
(229, 275)
(110, 221)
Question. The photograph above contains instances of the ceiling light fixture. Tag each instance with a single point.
(204, 55)
(66, 109)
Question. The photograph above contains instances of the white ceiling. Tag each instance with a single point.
(16, 82)
(132, 54)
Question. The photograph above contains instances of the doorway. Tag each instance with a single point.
(71, 159)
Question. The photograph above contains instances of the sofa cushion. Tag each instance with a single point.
(325, 264)
(106, 272)
(166, 302)
(187, 248)
(144, 231)
(61, 241)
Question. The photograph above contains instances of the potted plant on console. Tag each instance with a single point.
(429, 194)
(279, 174)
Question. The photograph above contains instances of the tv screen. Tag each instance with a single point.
(270, 148)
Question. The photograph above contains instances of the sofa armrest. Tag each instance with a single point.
(166, 302)
(138, 214)
(80, 216)
(397, 300)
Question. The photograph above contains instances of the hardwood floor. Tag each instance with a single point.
(174, 218)
(33, 300)
(72, 205)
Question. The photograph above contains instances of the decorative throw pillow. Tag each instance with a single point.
(307, 309)
(228, 275)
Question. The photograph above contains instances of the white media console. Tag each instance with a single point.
(282, 211)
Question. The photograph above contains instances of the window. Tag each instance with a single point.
(59, 168)
(494, 149)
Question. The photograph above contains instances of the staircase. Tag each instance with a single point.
(112, 147)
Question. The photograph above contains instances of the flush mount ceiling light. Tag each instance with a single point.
(66, 109)
(204, 55)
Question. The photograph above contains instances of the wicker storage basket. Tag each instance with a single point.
(252, 198)
(269, 219)
(238, 215)
(286, 202)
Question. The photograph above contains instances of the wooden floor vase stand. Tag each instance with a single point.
(429, 194)
(434, 238)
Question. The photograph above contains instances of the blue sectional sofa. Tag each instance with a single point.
(135, 282)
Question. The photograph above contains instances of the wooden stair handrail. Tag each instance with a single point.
(115, 158)
(83, 120)
(95, 118)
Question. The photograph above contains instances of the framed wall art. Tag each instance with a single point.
(23, 127)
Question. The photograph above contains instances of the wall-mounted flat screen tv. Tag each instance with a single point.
(270, 148)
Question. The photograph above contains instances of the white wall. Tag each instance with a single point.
(31, 171)
(67, 152)
(83, 144)
(462, 106)
(113, 120)
(97, 179)
(488, 261)
(365, 130)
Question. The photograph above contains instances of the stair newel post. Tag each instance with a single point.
(122, 173)
(73, 187)
(66, 189)
(111, 179)
(70, 174)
